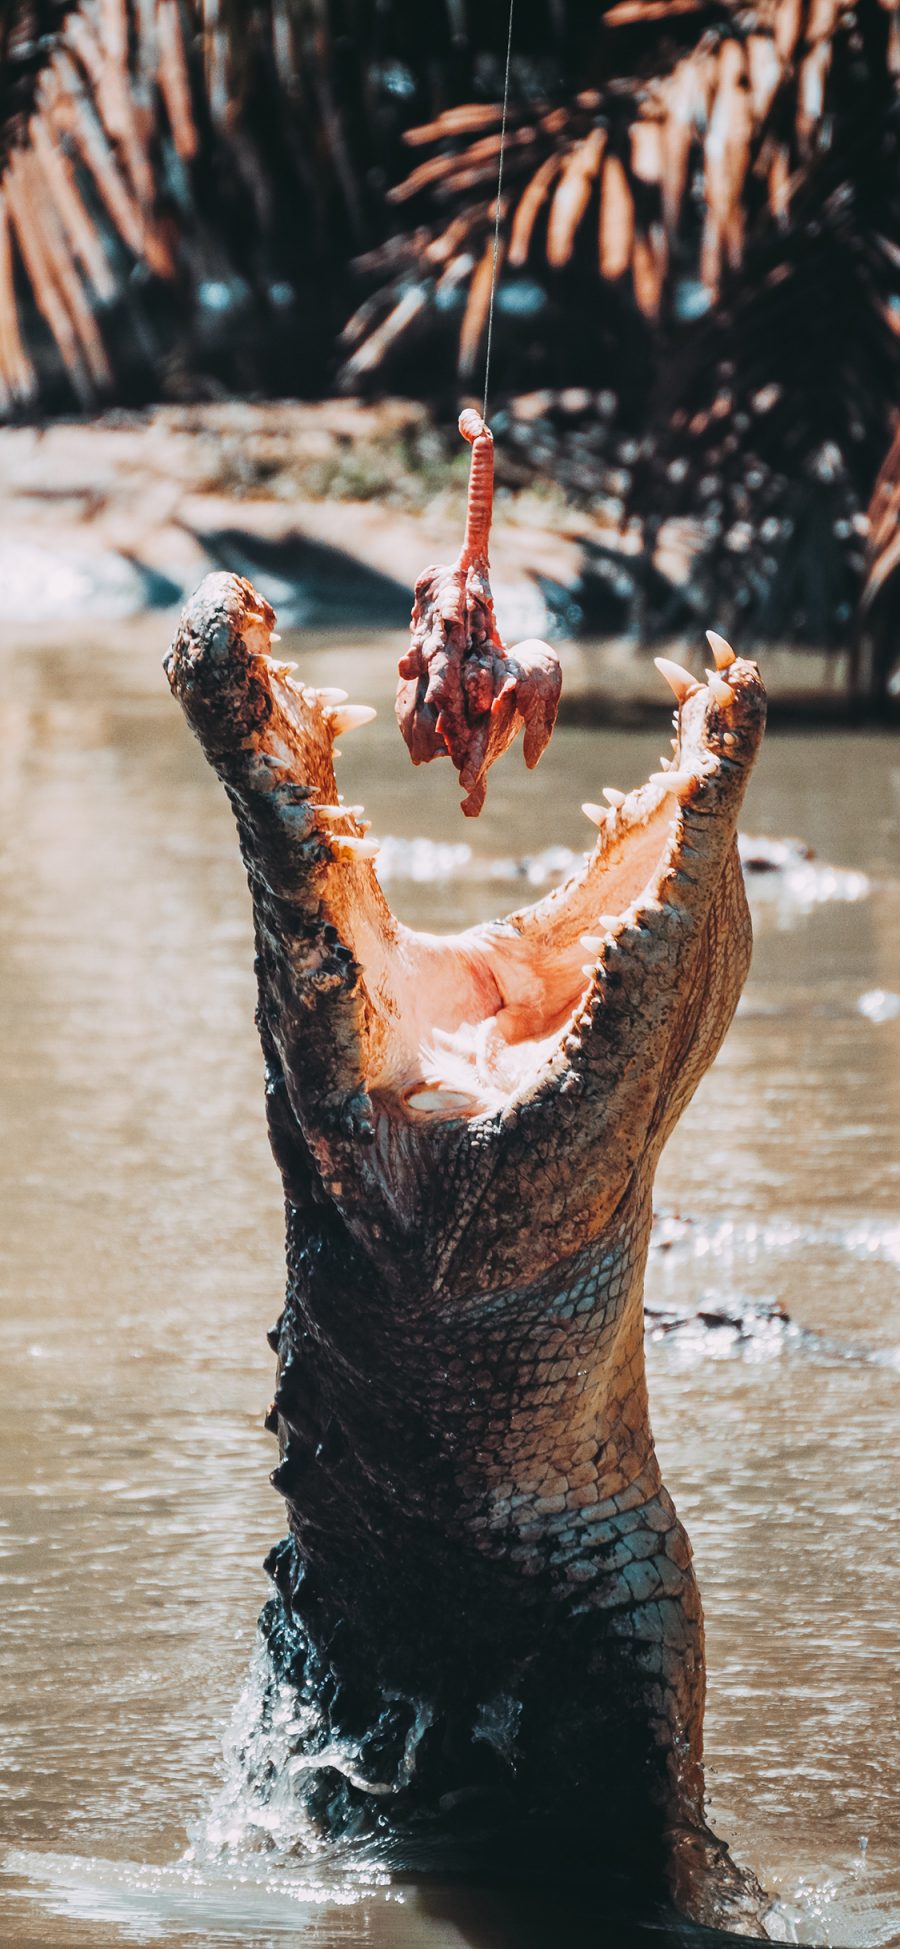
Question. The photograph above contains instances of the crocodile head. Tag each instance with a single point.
(467, 1128)
(552, 1050)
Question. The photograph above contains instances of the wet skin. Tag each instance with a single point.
(486, 1600)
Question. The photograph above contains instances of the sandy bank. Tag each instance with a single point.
(333, 508)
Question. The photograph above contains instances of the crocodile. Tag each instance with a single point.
(485, 1608)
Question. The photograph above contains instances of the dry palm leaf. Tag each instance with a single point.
(456, 273)
(764, 71)
(616, 220)
(648, 271)
(105, 66)
(787, 27)
(572, 196)
(823, 19)
(726, 158)
(683, 105)
(373, 349)
(174, 81)
(61, 191)
(533, 197)
(481, 157)
(32, 242)
(883, 550)
(440, 250)
(629, 12)
(215, 58)
(739, 115)
(886, 562)
(63, 270)
(17, 375)
(72, 112)
(476, 313)
(456, 121)
(779, 182)
(750, 105)
(811, 92)
(90, 129)
(647, 150)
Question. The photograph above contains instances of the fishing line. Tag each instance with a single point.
(490, 323)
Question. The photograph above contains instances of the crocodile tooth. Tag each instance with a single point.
(347, 846)
(444, 1038)
(607, 922)
(613, 797)
(721, 650)
(722, 692)
(674, 781)
(337, 811)
(678, 679)
(439, 1099)
(593, 942)
(329, 695)
(348, 717)
(284, 1474)
(276, 638)
(596, 813)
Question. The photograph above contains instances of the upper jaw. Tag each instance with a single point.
(658, 861)
(356, 1005)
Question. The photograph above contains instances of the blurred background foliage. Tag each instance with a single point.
(698, 306)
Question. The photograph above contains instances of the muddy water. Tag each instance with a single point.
(141, 1264)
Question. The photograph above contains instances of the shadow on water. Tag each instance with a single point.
(309, 581)
(538, 1916)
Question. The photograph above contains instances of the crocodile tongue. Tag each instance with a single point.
(461, 694)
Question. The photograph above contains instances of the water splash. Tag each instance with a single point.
(258, 1809)
(784, 877)
(836, 1910)
(279, 1739)
(879, 1005)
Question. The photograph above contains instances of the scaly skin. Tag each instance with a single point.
(486, 1601)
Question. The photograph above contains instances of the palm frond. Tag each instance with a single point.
(578, 175)
(729, 127)
(82, 150)
(768, 419)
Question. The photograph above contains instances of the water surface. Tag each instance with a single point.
(141, 1265)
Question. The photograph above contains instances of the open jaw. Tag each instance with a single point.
(435, 1028)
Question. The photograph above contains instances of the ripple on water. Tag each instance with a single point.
(782, 876)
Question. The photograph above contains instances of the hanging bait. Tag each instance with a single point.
(461, 694)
